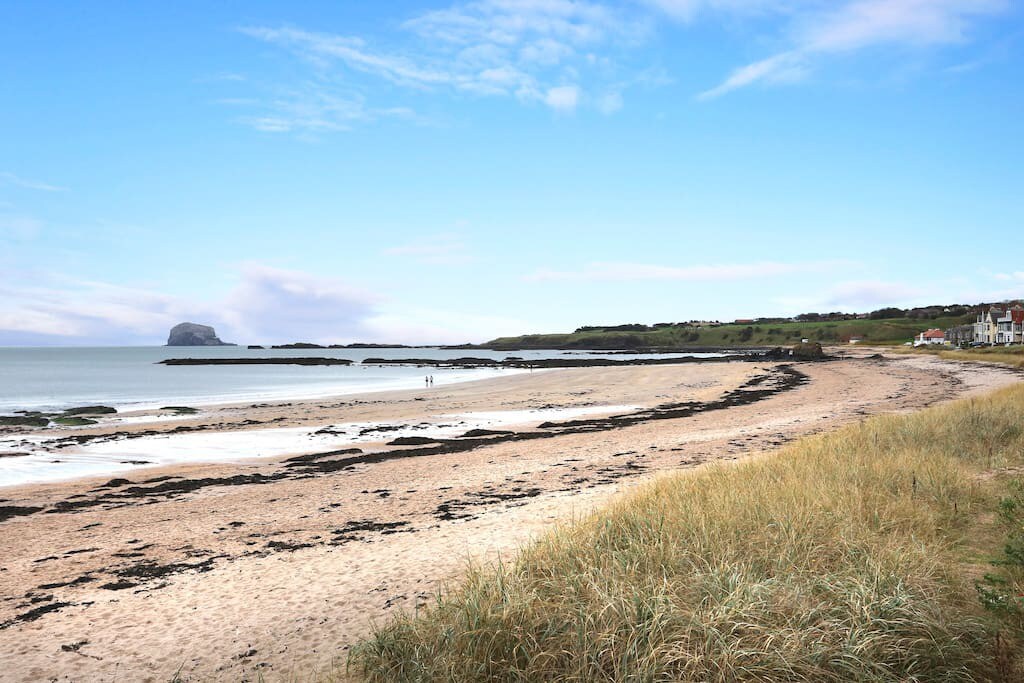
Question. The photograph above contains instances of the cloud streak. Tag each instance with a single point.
(626, 272)
(558, 53)
(9, 178)
(574, 54)
(312, 108)
(19, 228)
(274, 303)
(820, 30)
(444, 249)
(872, 294)
(266, 305)
(863, 294)
(1016, 276)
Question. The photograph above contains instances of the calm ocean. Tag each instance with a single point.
(130, 378)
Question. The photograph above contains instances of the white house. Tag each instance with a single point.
(1009, 327)
(929, 337)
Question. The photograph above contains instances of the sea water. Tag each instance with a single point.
(130, 378)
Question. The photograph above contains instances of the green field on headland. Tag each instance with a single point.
(680, 335)
(892, 549)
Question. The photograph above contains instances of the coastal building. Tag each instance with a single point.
(929, 337)
(986, 325)
(1010, 326)
(960, 335)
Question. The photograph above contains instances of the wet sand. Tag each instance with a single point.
(271, 567)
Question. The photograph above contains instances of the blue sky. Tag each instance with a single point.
(453, 171)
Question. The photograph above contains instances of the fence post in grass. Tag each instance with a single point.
(913, 484)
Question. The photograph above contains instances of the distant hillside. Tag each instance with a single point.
(678, 335)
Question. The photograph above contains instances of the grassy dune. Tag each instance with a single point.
(848, 556)
(1006, 355)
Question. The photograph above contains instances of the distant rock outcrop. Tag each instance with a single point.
(801, 351)
(808, 351)
(191, 334)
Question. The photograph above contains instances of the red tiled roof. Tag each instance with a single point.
(934, 334)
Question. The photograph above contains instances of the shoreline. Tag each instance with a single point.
(69, 442)
(22, 449)
(297, 392)
(290, 561)
(455, 369)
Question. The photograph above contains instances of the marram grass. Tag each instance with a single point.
(850, 556)
(1012, 356)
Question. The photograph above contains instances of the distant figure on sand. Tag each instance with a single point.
(426, 381)
(431, 380)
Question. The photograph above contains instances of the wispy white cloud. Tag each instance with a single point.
(437, 326)
(224, 76)
(570, 54)
(274, 303)
(563, 98)
(620, 272)
(54, 308)
(443, 249)
(871, 294)
(819, 30)
(1016, 276)
(560, 53)
(787, 67)
(19, 227)
(265, 305)
(312, 108)
(325, 48)
(688, 10)
(610, 102)
(865, 23)
(993, 52)
(9, 178)
(863, 294)
(525, 23)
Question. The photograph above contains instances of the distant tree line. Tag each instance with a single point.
(889, 312)
(631, 327)
(818, 317)
(918, 313)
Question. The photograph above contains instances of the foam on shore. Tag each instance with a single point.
(119, 455)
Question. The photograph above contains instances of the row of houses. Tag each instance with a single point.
(996, 325)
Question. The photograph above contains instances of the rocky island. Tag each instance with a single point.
(192, 334)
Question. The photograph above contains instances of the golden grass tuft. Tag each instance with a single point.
(1012, 356)
(847, 556)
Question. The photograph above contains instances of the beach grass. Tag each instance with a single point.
(1012, 356)
(859, 555)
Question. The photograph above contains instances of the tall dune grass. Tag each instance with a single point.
(845, 557)
(1012, 356)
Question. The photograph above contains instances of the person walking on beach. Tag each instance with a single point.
(426, 381)
(431, 380)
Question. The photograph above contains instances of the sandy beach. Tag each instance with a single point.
(272, 566)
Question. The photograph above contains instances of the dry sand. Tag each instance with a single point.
(274, 575)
